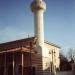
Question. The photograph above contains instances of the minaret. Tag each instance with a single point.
(38, 7)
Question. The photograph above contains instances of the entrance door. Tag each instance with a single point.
(29, 71)
(1, 70)
(10, 70)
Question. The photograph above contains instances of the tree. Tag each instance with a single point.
(64, 63)
(71, 54)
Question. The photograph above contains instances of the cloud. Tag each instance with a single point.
(11, 33)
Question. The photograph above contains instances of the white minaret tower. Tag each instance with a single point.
(38, 7)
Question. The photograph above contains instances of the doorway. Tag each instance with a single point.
(29, 71)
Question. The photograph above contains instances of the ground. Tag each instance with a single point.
(64, 73)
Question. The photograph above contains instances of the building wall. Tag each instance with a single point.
(56, 59)
(38, 61)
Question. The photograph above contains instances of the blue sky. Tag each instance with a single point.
(16, 21)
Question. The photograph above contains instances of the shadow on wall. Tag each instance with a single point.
(47, 71)
(50, 70)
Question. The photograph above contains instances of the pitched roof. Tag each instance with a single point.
(16, 44)
(21, 43)
(52, 44)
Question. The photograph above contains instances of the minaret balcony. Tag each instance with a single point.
(38, 5)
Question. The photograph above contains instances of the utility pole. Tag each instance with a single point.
(5, 64)
(53, 69)
(30, 58)
(13, 63)
(22, 62)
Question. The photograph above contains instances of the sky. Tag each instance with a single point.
(17, 21)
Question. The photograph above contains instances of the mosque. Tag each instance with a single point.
(32, 55)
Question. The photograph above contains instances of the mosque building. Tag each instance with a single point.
(21, 58)
(32, 55)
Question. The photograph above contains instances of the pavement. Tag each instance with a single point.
(64, 73)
